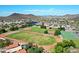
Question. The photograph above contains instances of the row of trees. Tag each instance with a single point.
(3, 30)
(13, 27)
(64, 47)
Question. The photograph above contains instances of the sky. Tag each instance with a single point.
(40, 10)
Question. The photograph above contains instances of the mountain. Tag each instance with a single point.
(21, 16)
(18, 16)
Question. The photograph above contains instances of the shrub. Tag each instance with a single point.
(46, 32)
(1, 44)
(8, 42)
(42, 26)
(23, 26)
(4, 43)
(72, 43)
(2, 31)
(64, 46)
(57, 32)
(35, 49)
(14, 28)
(61, 28)
(50, 27)
(58, 49)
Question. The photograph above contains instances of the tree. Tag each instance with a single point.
(2, 31)
(42, 26)
(64, 46)
(35, 49)
(58, 49)
(41, 49)
(14, 28)
(30, 44)
(61, 28)
(66, 50)
(4, 43)
(72, 43)
(46, 32)
(1, 44)
(50, 27)
(66, 43)
(23, 26)
(57, 32)
(8, 42)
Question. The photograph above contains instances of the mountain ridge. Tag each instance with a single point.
(19, 16)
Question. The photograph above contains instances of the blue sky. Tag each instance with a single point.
(6, 10)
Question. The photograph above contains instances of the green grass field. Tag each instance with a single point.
(38, 29)
(76, 42)
(29, 36)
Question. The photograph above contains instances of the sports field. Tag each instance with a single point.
(38, 29)
(68, 35)
(35, 36)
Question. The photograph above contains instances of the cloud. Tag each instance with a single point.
(40, 10)
(51, 11)
(6, 13)
(45, 11)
